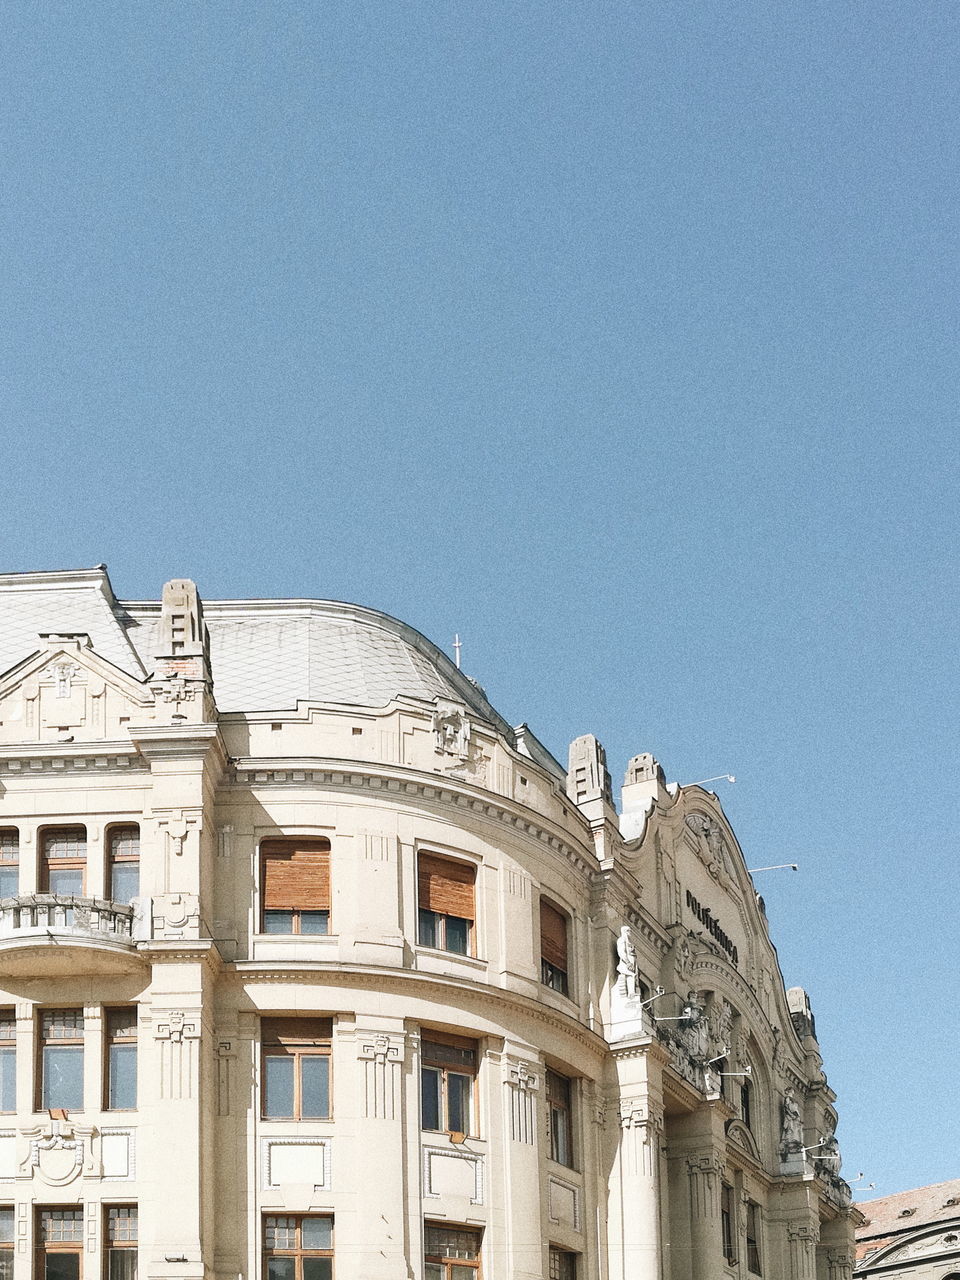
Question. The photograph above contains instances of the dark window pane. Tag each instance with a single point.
(9, 882)
(317, 1233)
(278, 922)
(458, 1103)
(8, 1080)
(66, 881)
(278, 1089)
(463, 1273)
(314, 921)
(63, 1076)
(6, 1264)
(6, 1226)
(433, 1271)
(430, 1097)
(315, 1092)
(317, 1268)
(457, 934)
(280, 1269)
(124, 881)
(61, 1266)
(122, 1264)
(428, 929)
(123, 1076)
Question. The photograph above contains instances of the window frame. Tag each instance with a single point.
(445, 1262)
(113, 1245)
(113, 1038)
(559, 1091)
(7, 1245)
(754, 1231)
(562, 1264)
(8, 1052)
(554, 975)
(75, 862)
(276, 849)
(296, 1039)
(728, 1241)
(298, 1252)
(435, 926)
(115, 860)
(8, 864)
(42, 1248)
(43, 1042)
(433, 1062)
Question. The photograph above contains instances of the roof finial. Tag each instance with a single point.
(457, 646)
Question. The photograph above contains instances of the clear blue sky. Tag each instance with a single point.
(619, 337)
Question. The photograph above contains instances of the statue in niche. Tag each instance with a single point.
(694, 1028)
(627, 964)
(791, 1124)
(723, 1025)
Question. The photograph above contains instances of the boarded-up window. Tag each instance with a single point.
(553, 947)
(296, 886)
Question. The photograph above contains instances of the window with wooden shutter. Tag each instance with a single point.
(553, 947)
(445, 891)
(295, 886)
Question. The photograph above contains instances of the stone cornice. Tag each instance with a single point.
(357, 975)
(397, 781)
(72, 757)
(177, 741)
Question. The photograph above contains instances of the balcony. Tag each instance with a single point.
(56, 933)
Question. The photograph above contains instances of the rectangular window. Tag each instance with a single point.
(298, 1248)
(8, 1060)
(726, 1222)
(746, 1109)
(561, 1118)
(563, 1265)
(124, 869)
(296, 1068)
(6, 1242)
(121, 1237)
(451, 1253)
(753, 1238)
(63, 861)
(121, 1063)
(59, 1244)
(295, 879)
(447, 1074)
(446, 904)
(9, 863)
(61, 1059)
(553, 947)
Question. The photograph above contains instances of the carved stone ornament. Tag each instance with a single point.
(379, 1047)
(58, 1151)
(451, 730)
(711, 834)
(177, 1026)
(635, 1113)
(521, 1077)
(791, 1124)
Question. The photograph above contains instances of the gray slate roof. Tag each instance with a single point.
(266, 655)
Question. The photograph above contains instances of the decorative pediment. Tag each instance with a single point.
(740, 1135)
(932, 1242)
(67, 693)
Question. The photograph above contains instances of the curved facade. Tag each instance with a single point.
(310, 964)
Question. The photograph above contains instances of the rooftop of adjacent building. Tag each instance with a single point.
(908, 1210)
(266, 655)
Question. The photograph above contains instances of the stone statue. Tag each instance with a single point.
(828, 1157)
(791, 1124)
(627, 963)
(695, 1030)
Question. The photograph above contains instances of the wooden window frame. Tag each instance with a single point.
(559, 1094)
(8, 1046)
(7, 1239)
(445, 1262)
(754, 1227)
(446, 887)
(113, 1243)
(728, 1221)
(296, 1038)
(554, 948)
(320, 892)
(562, 1264)
(433, 1061)
(298, 1252)
(10, 845)
(43, 1042)
(72, 863)
(119, 1029)
(43, 1247)
(114, 834)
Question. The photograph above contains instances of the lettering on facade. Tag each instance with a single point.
(712, 926)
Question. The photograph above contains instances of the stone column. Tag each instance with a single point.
(802, 1248)
(704, 1173)
(634, 1205)
(839, 1265)
(522, 1084)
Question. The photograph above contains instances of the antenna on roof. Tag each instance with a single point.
(457, 646)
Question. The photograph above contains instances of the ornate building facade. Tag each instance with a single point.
(312, 965)
(913, 1235)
